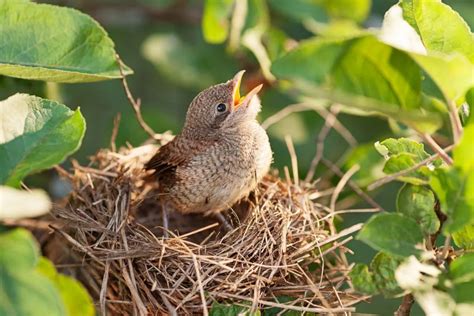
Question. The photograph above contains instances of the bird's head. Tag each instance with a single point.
(221, 107)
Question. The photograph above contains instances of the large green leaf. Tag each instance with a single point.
(73, 295)
(215, 20)
(462, 269)
(362, 73)
(52, 43)
(392, 233)
(36, 134)
(18, 250)
(441, 29)
(417, 202)
(455, 191)
(23, 291)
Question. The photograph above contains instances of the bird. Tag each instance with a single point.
(218, 158)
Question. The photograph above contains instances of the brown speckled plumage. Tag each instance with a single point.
(219, 157)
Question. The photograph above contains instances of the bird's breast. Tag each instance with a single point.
(224, 173)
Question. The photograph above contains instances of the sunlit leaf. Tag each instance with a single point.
(36, 134)
(74, 296)
(463, 154)
(464, 238)
(392, 233)
(23, 290)
(54, 43)
(362, 73)
(441, 28)
(417, 202)
(357, 10)
(20, 204)
(215, 20)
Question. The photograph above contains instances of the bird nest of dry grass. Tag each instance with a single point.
(284, 251)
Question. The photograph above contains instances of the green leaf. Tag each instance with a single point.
(24, 291)
(18, 250)
(463, 154)
(402, 154)
(452, 74)
(28, 293)
(52, 43)
(463, 293)
(392, 233)
(441, 28)
(215, 20)
(36, 134)
(356, 10)
(73, 295)
(464, 238)
(362, 73)
(363, 279)
(462, 269)
(383, 267)
(417, 202)
(20, 203)
(455, 191)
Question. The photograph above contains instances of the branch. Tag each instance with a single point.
(135, 103)
(455, 120)
(437, 149)
(405, 307)
(378, 183)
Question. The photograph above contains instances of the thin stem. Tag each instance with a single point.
(378, 183)
(405, 308)
(135, 103)
(434, 145)
(455, 120)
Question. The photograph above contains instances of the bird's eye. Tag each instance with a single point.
(221, 107)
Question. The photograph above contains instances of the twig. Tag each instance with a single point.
(405, 308)
(340, 186)
(135, 103)
(378, 183)
(434, 145)
(352, 185)
(456, 124)
(117, 118)
(329, 123)
(294, 159)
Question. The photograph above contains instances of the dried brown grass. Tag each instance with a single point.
(284, 244)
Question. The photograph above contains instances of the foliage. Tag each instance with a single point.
(415, 71)
(56, 44)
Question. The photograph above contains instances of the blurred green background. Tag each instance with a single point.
(161, 40)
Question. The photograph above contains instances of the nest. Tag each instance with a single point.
(283, 252)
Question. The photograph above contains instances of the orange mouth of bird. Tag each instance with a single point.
(239, 100)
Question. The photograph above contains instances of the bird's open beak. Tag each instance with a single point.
(242, 100)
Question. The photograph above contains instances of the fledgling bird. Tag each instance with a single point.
(218, 158)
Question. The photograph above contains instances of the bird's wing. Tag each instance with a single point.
(171, 156)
